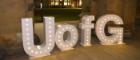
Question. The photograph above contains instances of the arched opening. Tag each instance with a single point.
(62, 10)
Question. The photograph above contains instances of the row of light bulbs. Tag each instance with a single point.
(53, 36)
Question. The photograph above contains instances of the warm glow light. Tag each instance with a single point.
(80, 2)
(65, 3)
(117, 32)
(57, 3)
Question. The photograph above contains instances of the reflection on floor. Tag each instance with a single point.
(129, 51)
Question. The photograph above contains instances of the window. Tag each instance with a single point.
(66, 3)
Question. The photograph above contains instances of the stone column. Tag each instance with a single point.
(129, 14)
(109, 7)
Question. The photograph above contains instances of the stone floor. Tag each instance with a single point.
(128, 51)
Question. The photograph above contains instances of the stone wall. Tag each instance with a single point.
(11, 12)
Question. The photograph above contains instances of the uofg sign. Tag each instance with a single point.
(54, 34)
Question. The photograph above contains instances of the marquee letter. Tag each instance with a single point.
(28, 38)
(86, 27)
(116, 32)
(71, 39)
